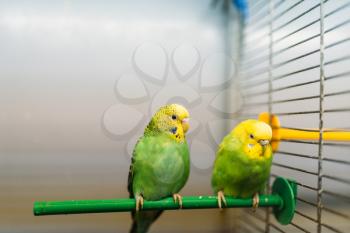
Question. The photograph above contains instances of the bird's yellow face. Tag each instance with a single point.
(256, 136)
(173, 119)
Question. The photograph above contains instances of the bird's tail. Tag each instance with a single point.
(142, 220)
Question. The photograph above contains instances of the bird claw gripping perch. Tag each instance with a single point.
(139, 202)
(256, 201)
(221, 199)
(178, 198)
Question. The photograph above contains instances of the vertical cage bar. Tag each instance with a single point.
(267, 211)
(320, 143)
(270, 57)
(227, 45)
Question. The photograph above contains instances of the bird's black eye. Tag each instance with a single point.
(173, 117)
(251, 136)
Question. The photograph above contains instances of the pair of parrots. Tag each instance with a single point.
(160, 164)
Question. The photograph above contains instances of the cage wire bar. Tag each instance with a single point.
(292, 65)
(320, 142)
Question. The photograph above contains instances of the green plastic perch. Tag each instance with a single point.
(282, 199)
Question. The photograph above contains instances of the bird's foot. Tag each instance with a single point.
(178, 198)
(221, 198)
(255, 201)
(139, 202)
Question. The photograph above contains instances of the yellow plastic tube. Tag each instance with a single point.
(279, 133)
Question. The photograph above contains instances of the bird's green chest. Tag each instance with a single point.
(161, 168)
(248, 178)
(169, 169)
(238, 175)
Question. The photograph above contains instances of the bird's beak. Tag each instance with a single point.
(185, 124)
(264, 142)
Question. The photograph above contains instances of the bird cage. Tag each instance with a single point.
(279, 61)
(295, 64)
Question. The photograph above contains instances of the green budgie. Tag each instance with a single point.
(160, 164)
(243, 162)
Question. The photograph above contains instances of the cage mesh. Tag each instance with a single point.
(294, 63)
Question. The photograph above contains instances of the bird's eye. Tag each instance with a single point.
(251, 136)
(173, 117)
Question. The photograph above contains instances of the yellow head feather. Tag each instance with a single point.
(171, 119)
(255, 136)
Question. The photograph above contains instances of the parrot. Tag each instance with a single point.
(160, 163)
(243, 162)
